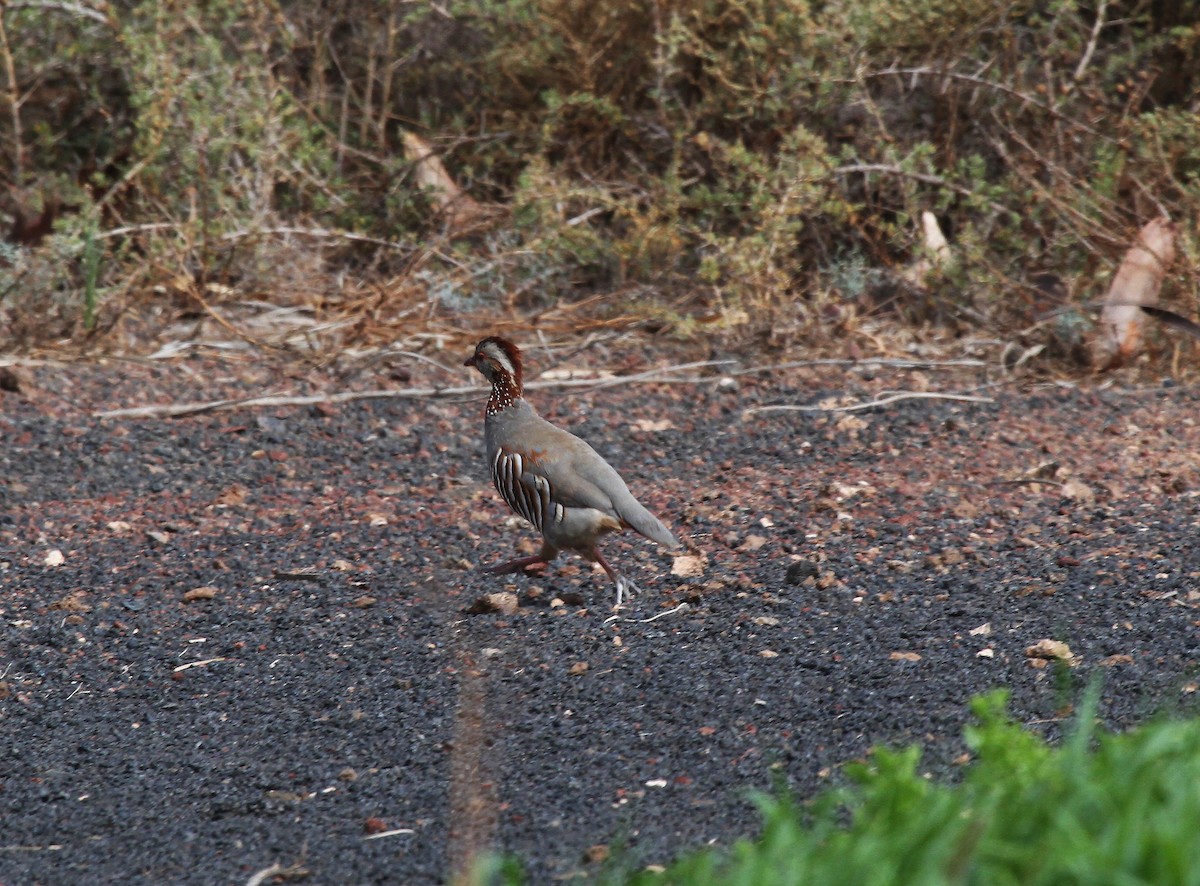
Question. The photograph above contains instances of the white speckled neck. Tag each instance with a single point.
(505, 394)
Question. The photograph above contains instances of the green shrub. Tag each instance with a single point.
(736, 155)
(1100, 809)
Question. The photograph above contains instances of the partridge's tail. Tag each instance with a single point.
(636, 517)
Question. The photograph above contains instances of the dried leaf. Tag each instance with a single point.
(232, 497)
(689, 565)
(596, 854)
(1051, 650)
(1079, 492)
(905, 656)
(76, 602)
(201, 593)
(11, 380)
(502, 602)
(649, 425)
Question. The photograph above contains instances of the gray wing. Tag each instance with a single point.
(582, 479)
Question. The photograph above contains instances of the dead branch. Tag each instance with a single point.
(13, 94)
(290, 872)
(936, 180)
(1091, 46)
(863, 362)
(322, 233)
(871, 404)
(73, 8)
(653, 376)
(982, 81)
(392, 833)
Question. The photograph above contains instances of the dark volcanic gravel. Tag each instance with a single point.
(866, 574)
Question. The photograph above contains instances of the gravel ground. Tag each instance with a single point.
(244, 638)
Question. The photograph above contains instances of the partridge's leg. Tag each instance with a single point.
(518, 565)
(623, 584)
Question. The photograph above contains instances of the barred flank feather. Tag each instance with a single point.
(531, 498)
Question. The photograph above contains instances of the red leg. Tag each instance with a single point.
(518, 565)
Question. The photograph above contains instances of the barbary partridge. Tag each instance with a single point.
(552, 478)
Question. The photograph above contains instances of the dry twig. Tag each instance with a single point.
(288, 872)
(872, 404)
(652, 376)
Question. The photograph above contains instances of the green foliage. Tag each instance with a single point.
(741, 152)
(1102, 809)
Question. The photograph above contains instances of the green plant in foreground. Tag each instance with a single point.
(1099, 809)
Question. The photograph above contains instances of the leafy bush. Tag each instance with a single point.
(1100, 809)
(743, 157)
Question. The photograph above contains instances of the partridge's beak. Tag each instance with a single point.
(470, 361)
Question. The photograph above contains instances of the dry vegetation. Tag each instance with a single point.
(757, 168)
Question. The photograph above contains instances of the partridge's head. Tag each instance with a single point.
(498, 360)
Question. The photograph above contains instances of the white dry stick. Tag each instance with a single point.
(1091, 46)
(935, 255)
(1136, 283)
(261, 877)
(295, 871)
(871, 404)
(392, 833)
(663, 375)
(935, 240)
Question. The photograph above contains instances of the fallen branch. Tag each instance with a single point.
(1026, 481)
(392, 833)
(872, 404)
(291, 872)
(885, 362)
(181, 409)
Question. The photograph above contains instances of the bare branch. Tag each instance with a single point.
(925, 177)
(981, 81)
(653, 376)
(1091, 47)
(872, 404)
(865, 362)
(14, 105)
(73, 8)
